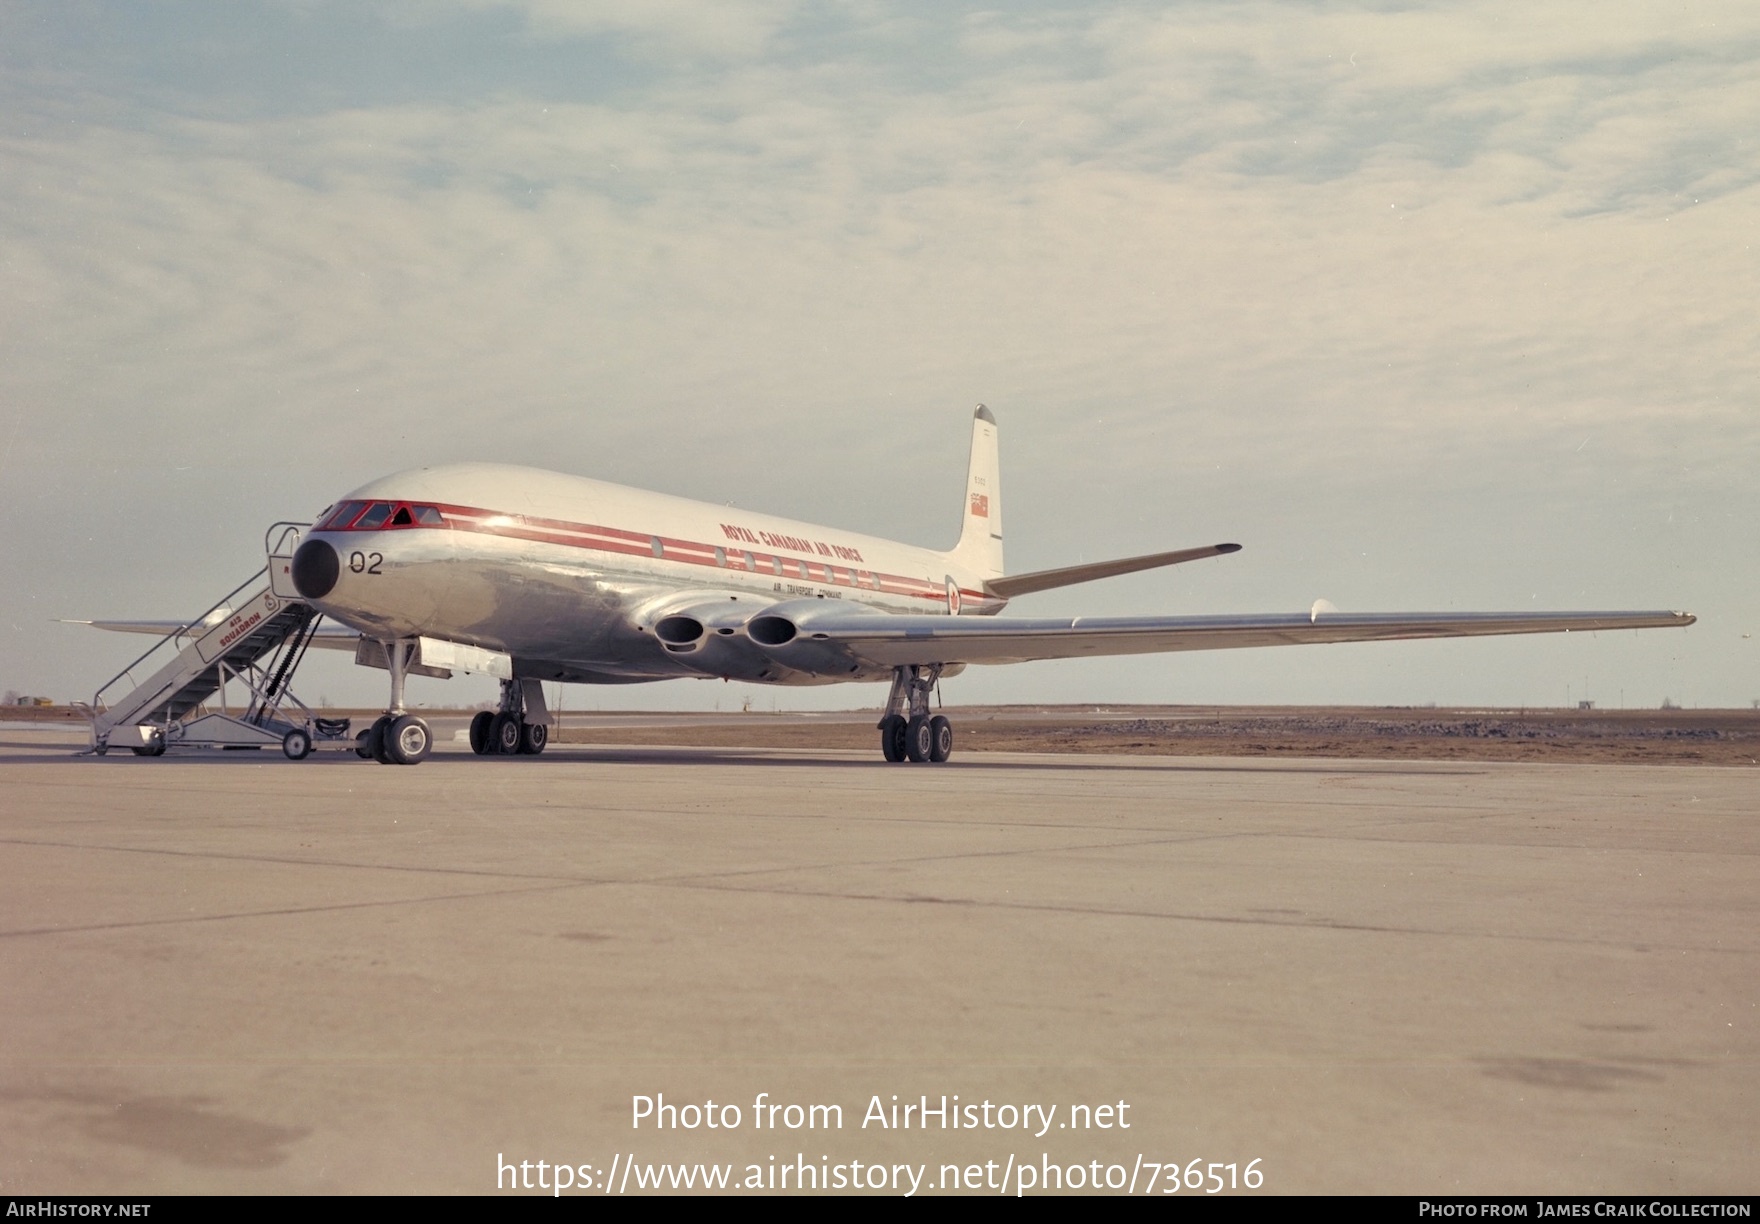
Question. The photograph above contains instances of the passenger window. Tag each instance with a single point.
(655, 547)
(721, 557)
(375, 517)
(751, 563)
(776, 566)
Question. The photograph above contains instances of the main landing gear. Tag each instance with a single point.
(907, 731)
(505, 731)
(397, 737)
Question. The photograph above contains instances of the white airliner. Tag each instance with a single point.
(534, 576)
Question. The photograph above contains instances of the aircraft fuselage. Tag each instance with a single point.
(582, 580)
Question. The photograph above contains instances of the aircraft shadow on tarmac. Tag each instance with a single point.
(767, 758)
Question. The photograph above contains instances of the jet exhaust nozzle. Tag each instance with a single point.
(771, 630)
(679, 633)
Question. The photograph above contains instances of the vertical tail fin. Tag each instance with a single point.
(980, 536)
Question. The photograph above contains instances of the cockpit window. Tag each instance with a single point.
(375, 517)
(340, 515)
(347, 516)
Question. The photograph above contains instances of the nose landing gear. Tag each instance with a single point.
(907, 731)
(397, 737)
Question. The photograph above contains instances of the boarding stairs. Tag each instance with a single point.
(255, 635)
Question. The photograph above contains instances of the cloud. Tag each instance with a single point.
(1195, 258)
(734, 29)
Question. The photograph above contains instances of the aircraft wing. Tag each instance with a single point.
(326, 637)
(882, 640)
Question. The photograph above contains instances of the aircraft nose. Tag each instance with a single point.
(315, 569)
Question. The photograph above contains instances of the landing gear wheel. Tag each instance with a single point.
(918, 739)
(892, 745)
(504, 735)
(296, 744)
(533, 737)
(480, 732)
(371, 742)
(940, 739)
(408, 741)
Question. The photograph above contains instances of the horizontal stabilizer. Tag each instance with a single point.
(1070, 575)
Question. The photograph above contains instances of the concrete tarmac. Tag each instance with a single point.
(238, 973)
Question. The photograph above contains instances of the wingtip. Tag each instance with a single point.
(983, 414)
(1228, 548)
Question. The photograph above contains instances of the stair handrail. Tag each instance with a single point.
(272, 543)
(176, 635)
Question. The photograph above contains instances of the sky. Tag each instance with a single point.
(1431, 307)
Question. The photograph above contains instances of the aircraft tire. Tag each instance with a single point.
(296, 745)
(480, 732)
(892, 745)
(940, 739)
(408, 741)
(375, 737)
(918, 739)
(533, 737)
(504, 735)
